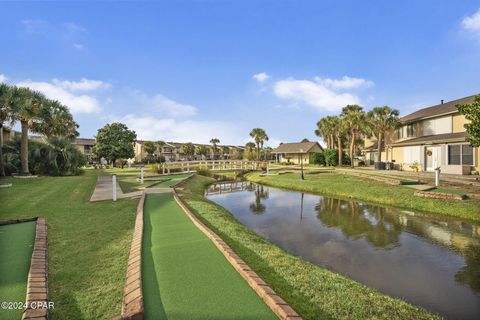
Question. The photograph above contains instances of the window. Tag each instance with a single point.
(454, 154)
(467, 154)
(400, 133)
(411, 130)
(460, 154)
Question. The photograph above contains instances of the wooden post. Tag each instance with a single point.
(114, 187)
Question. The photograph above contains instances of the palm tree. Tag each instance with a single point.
(355, 122)
(214, 142)
(5, 96)
(56, 120)
(249, 147)
(26, 105)
(326, 130)
(382, 120)
(260, 136)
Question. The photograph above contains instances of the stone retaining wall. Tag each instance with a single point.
(275, 302)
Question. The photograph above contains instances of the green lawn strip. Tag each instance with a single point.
(184, 275)
(314, 292)
(88, 243)
(348, 187)
(16, 246)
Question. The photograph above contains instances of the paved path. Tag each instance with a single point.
(103, 190)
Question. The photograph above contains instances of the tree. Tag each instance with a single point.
(25, 105)
(472, 113)
(150, 148)
(382, 120)
(202, 150)
(249, 147)
(5, 96)
(188, 149)
(259, 136)
(214, 142)
(54, 120)
(224, 150)
(114, 141)
(355, 121)
(305, 140)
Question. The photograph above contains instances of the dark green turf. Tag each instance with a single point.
(184, 275)
(174, 179)
(16, 246)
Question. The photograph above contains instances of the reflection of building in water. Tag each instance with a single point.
(382, 226)
(228, 187)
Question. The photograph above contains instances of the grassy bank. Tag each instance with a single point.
(345, 186)
(16, 246)
(314, 292)
(88, 243)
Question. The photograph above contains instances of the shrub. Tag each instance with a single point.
(330, 157)
(318, 159)
(204, 172)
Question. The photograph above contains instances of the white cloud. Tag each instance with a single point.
(345, 82)
(64, 91)
(322, 94)
(34, 25)
(472, 22)
(78, 46)
(167, 129)
(163, 105)
(82, 85)
(3, 78)
(261, 77)
(74, 27)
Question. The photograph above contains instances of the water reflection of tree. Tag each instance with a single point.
(260, 193)
(355, 220)
(470, 274)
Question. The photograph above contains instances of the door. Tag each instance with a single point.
(432, 158)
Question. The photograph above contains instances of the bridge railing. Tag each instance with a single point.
(213, 165)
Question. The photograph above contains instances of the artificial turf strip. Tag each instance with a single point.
(184, 275)
(16, 246)
(173, 179)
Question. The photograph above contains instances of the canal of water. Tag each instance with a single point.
(427, 260)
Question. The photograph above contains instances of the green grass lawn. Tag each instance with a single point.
(88, 243)
(16, 246)
(345, 186)
(184, 275)
(449, 191)
(131, 183)
(314, 292)
(173, 179)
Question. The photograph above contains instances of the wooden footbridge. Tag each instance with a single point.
(212, 165)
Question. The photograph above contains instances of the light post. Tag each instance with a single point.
(301, 162)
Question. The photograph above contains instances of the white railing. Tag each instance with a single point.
(213, 165)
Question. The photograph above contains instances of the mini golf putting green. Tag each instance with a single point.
(16, 246)
(184, 276)
(173, 179)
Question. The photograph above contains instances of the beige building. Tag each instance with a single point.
(296, 152)
(434, 137)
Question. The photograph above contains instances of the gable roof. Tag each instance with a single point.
(433, 139)
(295, 147)
(437, 110)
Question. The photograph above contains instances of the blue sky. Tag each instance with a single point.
(193, 70)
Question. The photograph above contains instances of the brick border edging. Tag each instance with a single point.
(439, 195)
(132, 304)
(281, 308)
(178, 184)
(37, 285)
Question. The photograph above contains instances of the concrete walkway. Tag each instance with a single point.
(103, 190)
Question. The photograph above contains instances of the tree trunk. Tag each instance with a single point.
(352, 145)
(332, 142)
(339, 146)
(24, 149)
(379, 147)
(2, 164)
